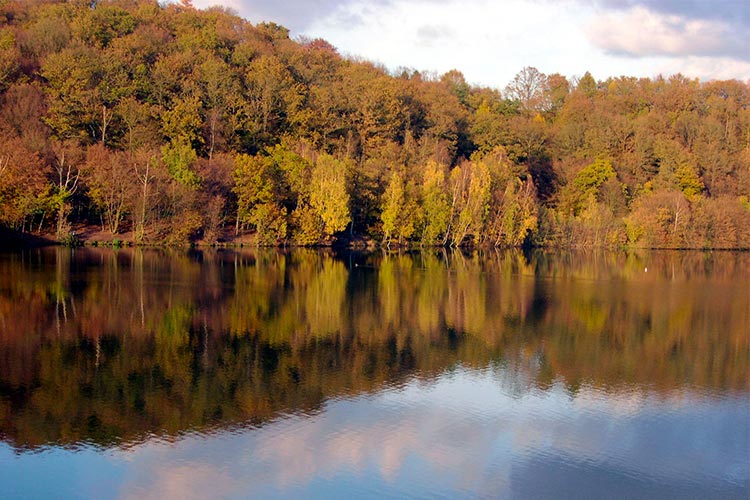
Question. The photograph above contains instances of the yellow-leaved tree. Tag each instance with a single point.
(435, 204)
(400, 210)
(329, 196)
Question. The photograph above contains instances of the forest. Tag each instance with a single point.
(160, 123)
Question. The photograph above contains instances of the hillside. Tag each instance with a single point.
(167, 124)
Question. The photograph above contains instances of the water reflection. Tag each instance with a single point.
(140, 341)
(461, 434)
(373, 368)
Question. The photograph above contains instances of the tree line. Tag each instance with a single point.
(166, 123)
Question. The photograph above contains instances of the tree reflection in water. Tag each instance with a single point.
(109, 347)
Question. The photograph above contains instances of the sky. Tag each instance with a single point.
(490, 41)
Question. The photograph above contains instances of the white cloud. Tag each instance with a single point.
(467, 432)
(429, 34)
(708, 68)
(490, 41)
(642, 32)
(293, 14)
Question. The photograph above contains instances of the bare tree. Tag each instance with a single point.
(67, 185)
(528, 87)
(142, 164)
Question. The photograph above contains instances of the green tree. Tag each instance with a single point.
(182, 123)
(589, 180)
(179, 157)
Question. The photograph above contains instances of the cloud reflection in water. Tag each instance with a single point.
(465, 434)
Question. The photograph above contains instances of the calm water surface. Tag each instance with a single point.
(153, 373)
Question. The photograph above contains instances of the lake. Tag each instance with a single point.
(315, 374)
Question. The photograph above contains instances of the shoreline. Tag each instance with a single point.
(16, 240)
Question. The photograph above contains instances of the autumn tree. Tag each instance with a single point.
(145, 168)
(329, 197)
(23, 189)
(659, 219)
(529, 88)
(104, 172)
(400, 209)
(257, 186)
(435, 204)
(471, 190)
